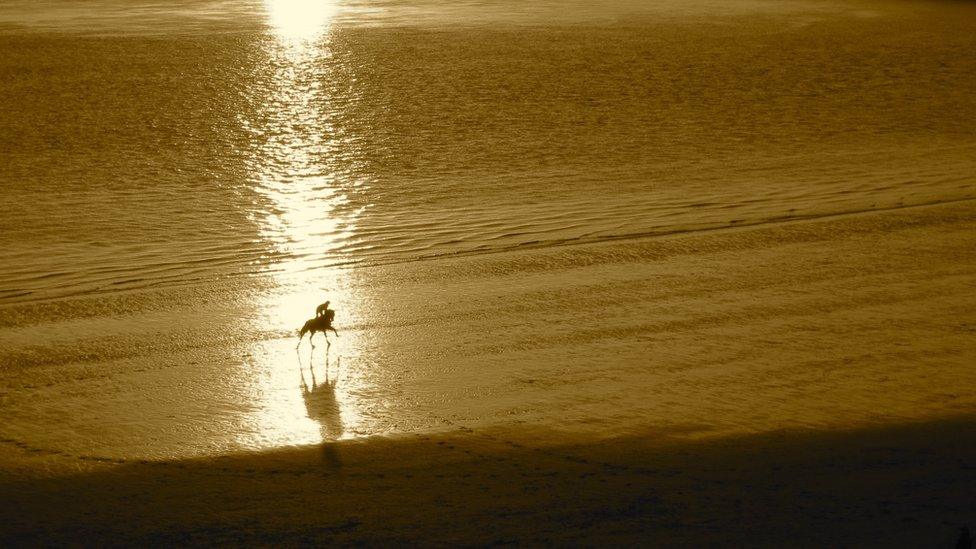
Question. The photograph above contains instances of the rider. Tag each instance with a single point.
(324, 310)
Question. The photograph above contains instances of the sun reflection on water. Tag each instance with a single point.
(300, 19)
(299, 396)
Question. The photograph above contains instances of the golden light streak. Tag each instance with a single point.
(300, 19)
(291, 400)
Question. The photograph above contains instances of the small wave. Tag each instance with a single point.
(167, 274)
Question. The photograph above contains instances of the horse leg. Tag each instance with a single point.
(310, 336)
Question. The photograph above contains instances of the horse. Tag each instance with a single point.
(318, 324)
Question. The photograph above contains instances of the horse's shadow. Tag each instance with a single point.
(321, 404)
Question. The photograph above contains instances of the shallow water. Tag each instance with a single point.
(184, 183)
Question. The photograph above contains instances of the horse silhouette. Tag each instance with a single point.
(318, 324)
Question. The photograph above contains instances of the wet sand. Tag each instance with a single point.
(834, 323)
(907, 486)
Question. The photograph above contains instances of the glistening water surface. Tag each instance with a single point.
(184, 182)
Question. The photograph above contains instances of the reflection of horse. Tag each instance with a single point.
(320, 399)
(317, 324)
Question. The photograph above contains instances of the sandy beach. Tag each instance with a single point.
(907, 486)
(869, 445)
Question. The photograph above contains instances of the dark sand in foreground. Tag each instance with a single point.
(906, 486)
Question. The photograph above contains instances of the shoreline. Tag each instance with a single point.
(906, 485)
